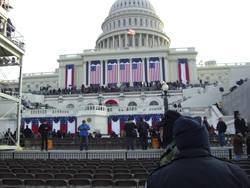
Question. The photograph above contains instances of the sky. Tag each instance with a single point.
(218, 29)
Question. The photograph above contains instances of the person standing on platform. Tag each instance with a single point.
(83, 128)
(221, 128)
(44, 131)
(206, 123)
(129, 128)
(27, 132)
(240, 124)
(143, 129)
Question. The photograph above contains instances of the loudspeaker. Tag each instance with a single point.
(235, 114)
(221, 89)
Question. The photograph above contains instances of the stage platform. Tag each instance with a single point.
(221, 152)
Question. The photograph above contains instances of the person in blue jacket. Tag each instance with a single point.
(83, 128)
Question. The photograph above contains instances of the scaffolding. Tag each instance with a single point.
(12, 50)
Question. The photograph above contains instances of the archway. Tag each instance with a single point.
(111, 103)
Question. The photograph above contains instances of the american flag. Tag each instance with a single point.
(131, 31)
(125, 72)
(154, 70)
(95, 74)
(137, 71)
(112, 73)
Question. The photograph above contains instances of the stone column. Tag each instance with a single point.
(147, 40)
(62, 76)
(148, 69)
(153, 39)
(161, 76)
(84, 70)
(140, 43)
(126, 40)
(158, 41)
(143, 69)
(101, 63)
(119, 41)
(131, 78)
(107, 42)
(167, 70)
(89, 73)
(106, 72)
(103, 44)
(133, 40)
(118, 74)
(113, 40)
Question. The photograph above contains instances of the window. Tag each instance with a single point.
(153, 103)
(114, 24)
(37, 86)
(142, 42)
(146, 23)
(28, 86)
(130, 42)
(207, 77)
(132, 104)
(141, 22)
(155, 24)
(119, 23)
(135, 21)
(151, 23)
(109, 25)
(124, 22)
(129, 21)
(70, 106)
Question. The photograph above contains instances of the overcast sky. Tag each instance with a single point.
(218, 29)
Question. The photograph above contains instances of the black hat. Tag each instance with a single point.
(239, 114)
(169, 117)
(83, 121)
(129, 119)
(44, 120)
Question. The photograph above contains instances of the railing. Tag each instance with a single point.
(12, 34)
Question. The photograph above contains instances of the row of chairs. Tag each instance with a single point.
(45, 176)
(71, 183)
(73, 171)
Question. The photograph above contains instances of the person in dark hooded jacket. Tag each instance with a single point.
(143, 129)
(129, 128)
(194, 166)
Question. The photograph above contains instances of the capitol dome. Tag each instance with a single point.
(138, 4)
(138, 15)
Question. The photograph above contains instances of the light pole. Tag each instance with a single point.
(165, 90)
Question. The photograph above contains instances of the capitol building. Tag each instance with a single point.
(132, 55)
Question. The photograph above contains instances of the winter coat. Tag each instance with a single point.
(129, 127)
(197, 168)
(248, 145)
(83, 130)
(27, 133)
(43, 131)
(221, 127)
(237, 143)
(240, 124)
(143, 127)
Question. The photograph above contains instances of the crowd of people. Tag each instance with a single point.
(239, 82)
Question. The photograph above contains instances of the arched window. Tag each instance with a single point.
(70, 106)
(153, 103)
(141, 22)
(124, 22)
(132, 104)
(90, 104)
(119, 23)
(146, 23)
(129, 21)
(114, 24)
(135, 21)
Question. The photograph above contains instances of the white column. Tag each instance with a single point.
(101, 63)
(146, 40)
(131, 78)
(143, 69)
(119, 41)
(113, 39)
(89, 72)
(148, 69)
(158, 41)
(107, 42)
(140, 43)
(133, 40)
(167, 70)
(161, 76)
(84, 70)
(126, 40)
(106, 72)
(153, 38)
(103, 44)
(118, 64)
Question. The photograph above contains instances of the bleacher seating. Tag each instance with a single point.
(107, 173)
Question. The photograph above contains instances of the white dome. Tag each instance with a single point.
(124, 4)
